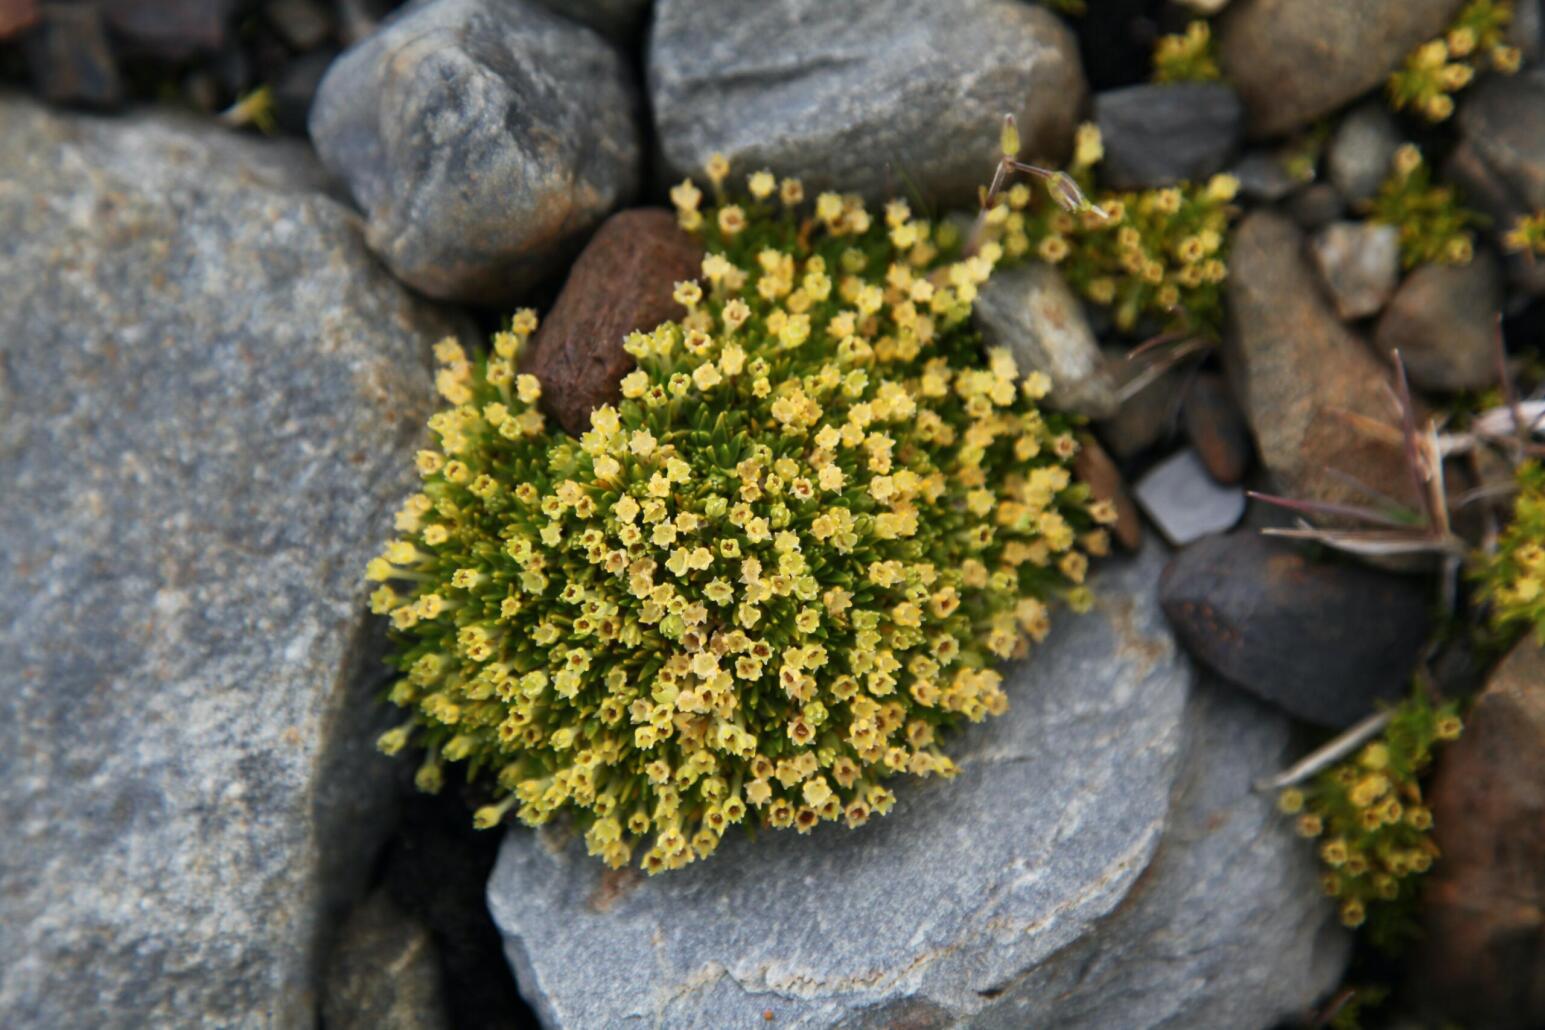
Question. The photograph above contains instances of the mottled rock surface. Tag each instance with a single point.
(1029, 309)
(1301, 376)
(1093, 466)
(1358, 158)
(1295, 60)
(1443, 320)
(1216, 428)
(1500, 161)
(1482, 958)
(1359, 264)
(1323, 641)
(384, 972)
(622, 281)
(880, 98)
(954, 908)
(1160, 134)
(210, 398)
(483, 139)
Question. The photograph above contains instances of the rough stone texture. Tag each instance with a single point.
(1359, 263)
(622, 281)
(384, 973)
(1297, 370)
(879, 98)
(1185, 502)
(1224, 928)
(1321, 640)
(1161, 134)
(210, 398)
(948, 911)
(1482, 957)
(483, 139)
(1295, 60)
(1443, 320)
(1093, 466)
(1029, 309)
(1216, 428)
(1361, 150)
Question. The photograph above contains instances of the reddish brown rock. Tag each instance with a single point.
(1217, 429)
(16, 15)
(1482, 958)
(621, 282)
(1318, 401)
(1093, 466)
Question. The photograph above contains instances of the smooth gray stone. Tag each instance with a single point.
(949, 910)
(1159, 134)
(210, 394)
(1359, 264)
(886, 98)
(1361, 151)
(1029, 309)
(1185, 502)
(483, 139)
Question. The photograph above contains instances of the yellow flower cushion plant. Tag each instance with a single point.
(764, 582)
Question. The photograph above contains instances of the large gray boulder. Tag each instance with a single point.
(960, 905)
(880, 98)
(483, 139)
(209, 400)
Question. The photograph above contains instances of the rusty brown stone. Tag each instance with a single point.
(622, 281)
(1093, 466)
(17, 15)
(1482, 957)
(1217, 429)
(1318, 401)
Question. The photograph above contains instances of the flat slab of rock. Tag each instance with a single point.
(210, 399)
(879, 98)
(483, 139)
(1159, 134)
(1295, 60)
(1184, 500)
(941, 913)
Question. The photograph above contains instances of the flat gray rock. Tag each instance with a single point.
(483, 139)
(209, 396)
(885, 98)
(1030, 309)
(1158, 134)
(1185, 502)
(946, 911)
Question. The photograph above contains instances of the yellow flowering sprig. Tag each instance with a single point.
(1157, 252)
(766, 581)
(1434, 227)
(1368, 815)
(1513, 578)
(1186, 57)
(1439, 68)
(1527, 236)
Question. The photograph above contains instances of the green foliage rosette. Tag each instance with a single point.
(767, 580)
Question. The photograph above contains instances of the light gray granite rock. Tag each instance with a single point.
(1029, 309)
(1185, 502)
(209, 398)
(882, 98)
(946, 911)
(483, 139)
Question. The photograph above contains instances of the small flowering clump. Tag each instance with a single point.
(1367, 813)
(1434, 228)
(1513, 579)
(1527, 236)
(1156, 252)
(771, 576)
(1186, 57)
(1436, 70)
